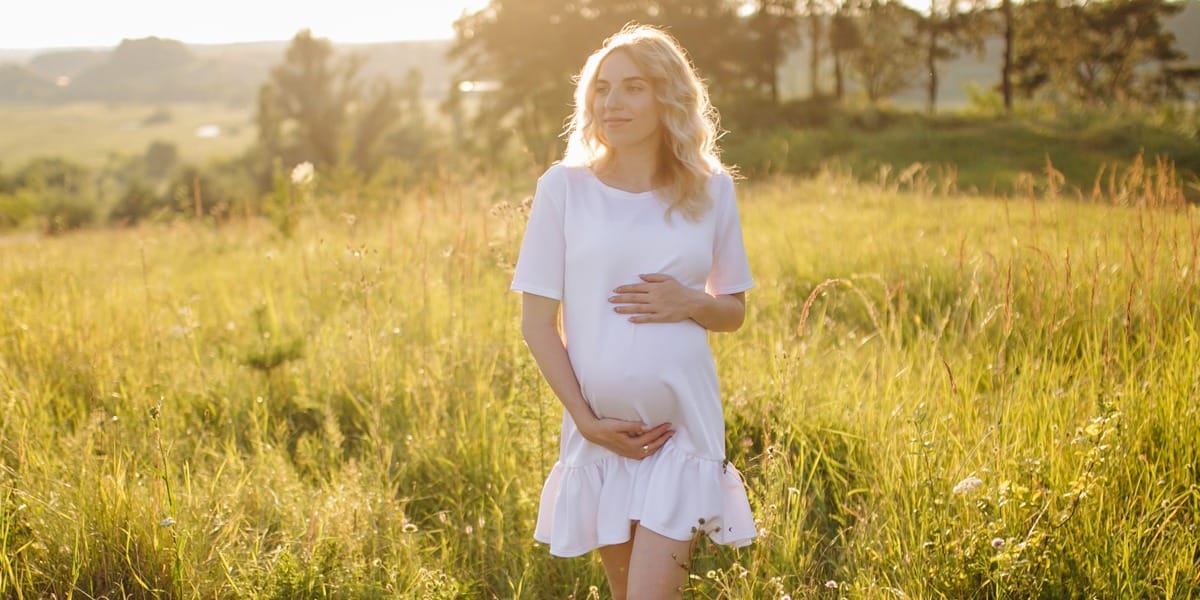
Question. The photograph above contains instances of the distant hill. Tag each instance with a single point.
(69, 63)
(161, 70)
(18, 83)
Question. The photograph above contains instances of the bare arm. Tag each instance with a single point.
(660, 298)
(539, 326)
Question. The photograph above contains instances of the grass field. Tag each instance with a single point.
(88, 133)
(933, 397)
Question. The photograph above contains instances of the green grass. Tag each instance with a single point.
(192, 411)
(89, 133)
(989, 155)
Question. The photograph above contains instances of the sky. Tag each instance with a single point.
(78, 23)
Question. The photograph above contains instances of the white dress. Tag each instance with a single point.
(584, 239)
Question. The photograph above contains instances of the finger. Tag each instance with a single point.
(631, 288)
(629, 299)
(648, 317)
(653, 434)
(633, 428)
(636, 309)
(655, 277)
(650, 448)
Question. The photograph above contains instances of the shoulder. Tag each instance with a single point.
(721, 188)
(563, 175)
(721, 178)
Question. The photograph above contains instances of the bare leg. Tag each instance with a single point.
(616, 565)
(658, 566)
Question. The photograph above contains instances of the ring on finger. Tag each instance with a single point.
(646, 449)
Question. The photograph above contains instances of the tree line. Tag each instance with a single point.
(1090, 52)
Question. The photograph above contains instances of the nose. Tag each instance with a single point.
(612, 99)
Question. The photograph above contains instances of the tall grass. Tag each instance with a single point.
(934, 396)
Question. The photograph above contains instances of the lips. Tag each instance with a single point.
(615, 122)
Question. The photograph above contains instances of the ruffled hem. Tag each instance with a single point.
(672, 493)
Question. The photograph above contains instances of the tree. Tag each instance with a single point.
(814, 9)
(530, 50)
(773, 30)
(887, 60)
(1100, 52)
(950, 26)
(314, 108)
(159, 159)
(844, 40)
(302, 108)
(1006, 69)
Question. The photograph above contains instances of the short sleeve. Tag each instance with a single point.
(541, 261)
(730, 271)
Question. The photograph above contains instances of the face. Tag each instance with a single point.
(624, 104)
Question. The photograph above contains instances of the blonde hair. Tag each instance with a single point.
(688, 154)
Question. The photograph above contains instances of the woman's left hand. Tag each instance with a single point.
(659, 298)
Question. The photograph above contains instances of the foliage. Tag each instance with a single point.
(313, 109)
(1118, 51)
(507, 42)
(773, 30)
(65, 200)
(17, 207)
(886, 59)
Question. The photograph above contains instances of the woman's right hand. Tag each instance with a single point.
(630, 439)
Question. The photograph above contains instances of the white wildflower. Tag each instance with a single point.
(302, 174)
(967, 485)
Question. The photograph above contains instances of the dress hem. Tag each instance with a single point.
(588, 506)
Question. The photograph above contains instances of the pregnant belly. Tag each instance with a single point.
(643, 377)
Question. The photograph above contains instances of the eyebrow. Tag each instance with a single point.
(626, 79)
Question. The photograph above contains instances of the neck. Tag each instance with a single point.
(633, 168)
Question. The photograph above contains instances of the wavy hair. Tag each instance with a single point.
(688, 155)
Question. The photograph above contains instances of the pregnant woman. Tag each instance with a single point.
(635, 234)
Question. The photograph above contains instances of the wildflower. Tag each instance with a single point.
(831, 584)
(302, 174)
(997, 542)
(167, 522)
(967, 485)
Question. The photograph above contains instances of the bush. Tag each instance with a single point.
(217, 190)
(63, 212)
(16, 208)
(138, 203)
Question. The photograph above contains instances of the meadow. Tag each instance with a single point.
(91, 132)
(934, 396)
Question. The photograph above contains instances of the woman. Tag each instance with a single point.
(636, 234)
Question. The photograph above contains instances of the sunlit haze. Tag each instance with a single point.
(71, 23)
